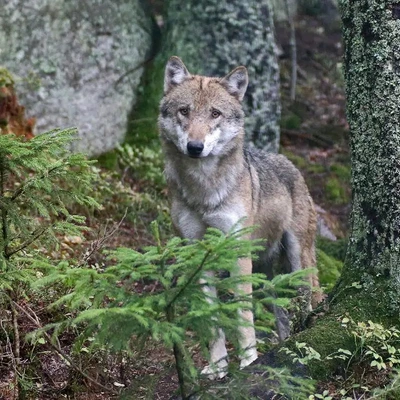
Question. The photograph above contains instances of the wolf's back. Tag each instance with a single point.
(273, 170)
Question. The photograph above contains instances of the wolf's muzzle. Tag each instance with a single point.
(195, 148)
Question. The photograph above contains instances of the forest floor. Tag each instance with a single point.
(314, 136)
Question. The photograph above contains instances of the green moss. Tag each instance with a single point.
(335, 249)
(108, 160)
(142, 125)
(316, 168)
(341, 171)
(298, 161)
(335, 191)
(329, 269)
(330, 259)
(325, 337)
(6, 79)
(145, 165)
(291, 121)
(328, 335)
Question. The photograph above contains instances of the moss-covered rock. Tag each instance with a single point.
(80, 63)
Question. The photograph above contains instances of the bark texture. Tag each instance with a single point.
(371, 30)
(212, 37)
(369, 288)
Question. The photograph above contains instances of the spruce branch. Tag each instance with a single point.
(34, 236)
(29, 182)
(190, 280)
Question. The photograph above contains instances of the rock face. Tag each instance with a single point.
(214, 36)
(78, 62)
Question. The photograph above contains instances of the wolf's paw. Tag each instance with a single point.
(249, 356)
(216, 371)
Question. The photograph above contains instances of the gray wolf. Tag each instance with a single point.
(215, 181)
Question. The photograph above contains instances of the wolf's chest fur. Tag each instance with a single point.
(205, 184)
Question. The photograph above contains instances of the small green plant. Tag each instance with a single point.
(303, 354)
(391, 391)
(39, 179)
(375, 343)
(145, 163)
(342, 171)
(177, 312)
(323, 396)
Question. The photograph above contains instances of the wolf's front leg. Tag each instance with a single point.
(247, 335)
(218, 367)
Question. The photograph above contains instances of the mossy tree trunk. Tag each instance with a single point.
(214, 36)
(369, 288)
(371, 30)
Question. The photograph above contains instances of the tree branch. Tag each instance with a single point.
(198, 269)
(21, 189)
(97, 244)
(17, 341)
(34, 236)
(58, 349)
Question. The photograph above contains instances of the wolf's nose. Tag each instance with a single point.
(195, 148)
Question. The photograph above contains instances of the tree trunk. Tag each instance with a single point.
(369, 288)
(214, 36)
(372, 73)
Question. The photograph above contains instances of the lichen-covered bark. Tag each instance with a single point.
(80, 63)
(371, 32)
(372, 71)
(214, 36)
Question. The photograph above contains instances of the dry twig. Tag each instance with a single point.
(57, 347)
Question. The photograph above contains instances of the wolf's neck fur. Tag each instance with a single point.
(204, 183)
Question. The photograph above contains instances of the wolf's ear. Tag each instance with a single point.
(236, 82)
(175, 73)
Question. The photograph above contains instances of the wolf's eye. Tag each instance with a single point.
(215, 113)
(184, 111)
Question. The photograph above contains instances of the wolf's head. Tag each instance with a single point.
(202, 116)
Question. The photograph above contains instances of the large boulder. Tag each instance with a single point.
(78, 63)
